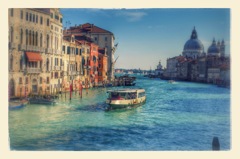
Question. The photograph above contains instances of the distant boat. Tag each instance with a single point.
(125, 98)
(171, 81)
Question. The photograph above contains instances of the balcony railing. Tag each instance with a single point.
(34, 70)
(62, 67)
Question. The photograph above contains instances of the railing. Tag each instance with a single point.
(34, 70)
(62, 67)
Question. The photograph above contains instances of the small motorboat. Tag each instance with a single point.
(125, 98)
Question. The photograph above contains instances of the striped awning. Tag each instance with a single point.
(33, 56)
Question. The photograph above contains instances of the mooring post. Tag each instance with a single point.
(215, 144)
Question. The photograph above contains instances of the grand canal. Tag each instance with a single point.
(179, 116)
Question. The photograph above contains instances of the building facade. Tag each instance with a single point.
(103, 38)
(31, 50)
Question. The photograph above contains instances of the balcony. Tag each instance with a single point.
(34, 70)
(12, 45)
(62, 67)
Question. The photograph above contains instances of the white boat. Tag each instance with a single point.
(124, 98)
(171, 81)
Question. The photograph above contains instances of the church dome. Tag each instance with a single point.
(213, 48)
(193, 43)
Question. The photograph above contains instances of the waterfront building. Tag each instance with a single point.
(32, 48)
(182, 67)
(103, 38)
(159, 70)
(193, 48)
(93, 63)
(102, 65)
(171, 70)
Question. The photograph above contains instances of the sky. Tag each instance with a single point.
(147, 36)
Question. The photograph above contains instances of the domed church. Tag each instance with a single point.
(216, 49)
(193, 48)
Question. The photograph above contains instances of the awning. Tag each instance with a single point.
(33, 56)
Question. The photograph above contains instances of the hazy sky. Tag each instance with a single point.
(145, 36)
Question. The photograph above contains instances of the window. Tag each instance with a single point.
(60, 20)
(41, 20)
(47, 41)
(33, 17)
(11, 62)
(30, 17)
(105, 38)
(52, 27)
(36, 40)
(56, 17)
(12, 12)
(95, 38)
(11, 34)
(36, 18)
(41, 40)
(21, 16)
(26, 37)
(76, 51)
(26, 16)
(68, 50)
(47, 22)
(51, 15)
(80, 51)
(20, 80)
(40, 81)
(63, 48)
(21, 37)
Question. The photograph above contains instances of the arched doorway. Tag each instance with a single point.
(34, 86)
(11, 88)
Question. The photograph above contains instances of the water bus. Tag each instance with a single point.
(125, 98)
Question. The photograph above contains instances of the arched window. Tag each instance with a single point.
(26, 37)
(21, 36)
(11, 63)
(30, 37)
(47, 65)
(11, 35)
(33, 38)
(36, 40)
(47, 41)
(41, 40)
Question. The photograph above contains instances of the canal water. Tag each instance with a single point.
(180, 116)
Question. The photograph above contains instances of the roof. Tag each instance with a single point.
(126, 90)
(87, 27)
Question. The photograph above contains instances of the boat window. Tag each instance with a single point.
(141, 94)
(131, 95)
(116, 95)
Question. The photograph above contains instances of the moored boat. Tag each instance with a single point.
(125, 98)
(42, 100)
(16, 104)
